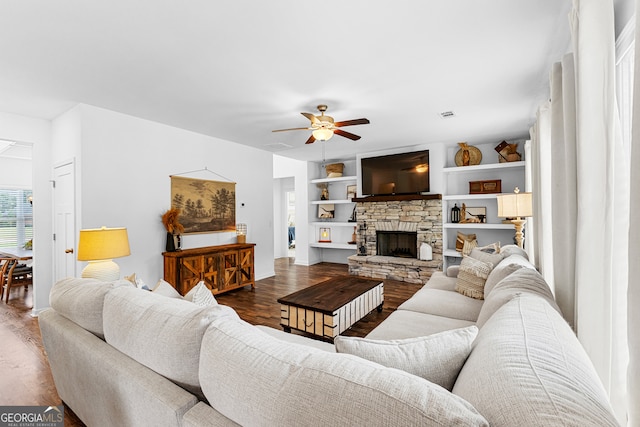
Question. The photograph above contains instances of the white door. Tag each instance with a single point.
(64, 251)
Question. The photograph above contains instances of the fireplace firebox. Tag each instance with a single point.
(397, 243)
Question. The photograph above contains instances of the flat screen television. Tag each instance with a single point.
(405, 173)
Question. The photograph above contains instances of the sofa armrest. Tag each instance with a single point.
(452, 270)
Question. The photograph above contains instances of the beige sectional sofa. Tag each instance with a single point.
(128, 357)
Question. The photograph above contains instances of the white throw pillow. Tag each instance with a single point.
(201, 295)
(437, 358)
(164, 288)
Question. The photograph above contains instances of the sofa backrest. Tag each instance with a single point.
(255, 379)
(82, 301)
(527, 368)
(164, 334)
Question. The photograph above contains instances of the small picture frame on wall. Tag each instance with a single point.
(326, 211)
(351, 191)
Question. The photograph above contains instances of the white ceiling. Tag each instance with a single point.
(237, 69)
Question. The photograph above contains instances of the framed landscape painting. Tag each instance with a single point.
(205, 206)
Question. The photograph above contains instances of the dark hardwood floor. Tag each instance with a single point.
(25, 376)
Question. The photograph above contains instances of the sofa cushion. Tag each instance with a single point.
(81, 301)
(161, 333)
(528, 368)
(437, 358)
(440, 280)
(472, 276)
(522, 281)
(443, 303)
(504, 268)
(261, 381)
(408, 324)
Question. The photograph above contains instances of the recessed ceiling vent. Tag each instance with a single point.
(276, 146)
(447, 114)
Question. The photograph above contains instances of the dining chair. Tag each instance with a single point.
(14, 274)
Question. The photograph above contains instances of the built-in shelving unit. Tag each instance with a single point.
(456, 192)
(341, 228)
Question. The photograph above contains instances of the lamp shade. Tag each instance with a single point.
(103, 243)
(322, 134)
(515, 205)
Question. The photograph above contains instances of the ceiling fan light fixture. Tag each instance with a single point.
(322, 134)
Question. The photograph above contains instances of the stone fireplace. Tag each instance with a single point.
(390, 231)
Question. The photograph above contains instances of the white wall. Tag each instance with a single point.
(37, 132)
(124, 165)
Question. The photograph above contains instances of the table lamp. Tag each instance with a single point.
(99, 246)
(515, 205)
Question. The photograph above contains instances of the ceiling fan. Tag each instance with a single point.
(323, 127)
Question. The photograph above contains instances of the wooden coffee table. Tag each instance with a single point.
(331, 307)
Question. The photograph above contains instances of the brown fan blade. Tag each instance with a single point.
(311, 117)
(346, 134)
(352, 122)
(310, 140)
(285, 130)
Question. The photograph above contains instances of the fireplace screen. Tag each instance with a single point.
(397, 243)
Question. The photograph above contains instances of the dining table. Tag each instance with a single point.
(17, 253)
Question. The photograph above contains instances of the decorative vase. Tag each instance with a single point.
(178, 242)
(171, 244)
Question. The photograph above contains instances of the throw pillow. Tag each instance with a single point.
(472, 276)
(201, 295)
(488, 257)
(164, 288)
(470, 239)
(437, 358)
(137, 282)
(493, 248)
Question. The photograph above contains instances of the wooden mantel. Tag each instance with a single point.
(397, 197)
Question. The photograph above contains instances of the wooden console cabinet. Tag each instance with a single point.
(222, 268)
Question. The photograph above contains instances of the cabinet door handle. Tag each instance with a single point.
(68, 251)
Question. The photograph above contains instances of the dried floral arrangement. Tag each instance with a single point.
(171, 221)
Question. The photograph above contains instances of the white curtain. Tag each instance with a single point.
(633, 292)
(584, 202)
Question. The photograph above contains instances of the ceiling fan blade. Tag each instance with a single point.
(285, 130)
(346, 134)
(311, 117)
(352, 122)
(310, 140)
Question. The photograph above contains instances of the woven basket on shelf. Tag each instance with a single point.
(334, 169)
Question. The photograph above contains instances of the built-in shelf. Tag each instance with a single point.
(334, 224)
(486, 166)
(479, 226)
(337, 179)
(470, 196)
(333, 246)
(452, 253)
(329, 202)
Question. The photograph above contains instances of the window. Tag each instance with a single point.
(16, 218)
